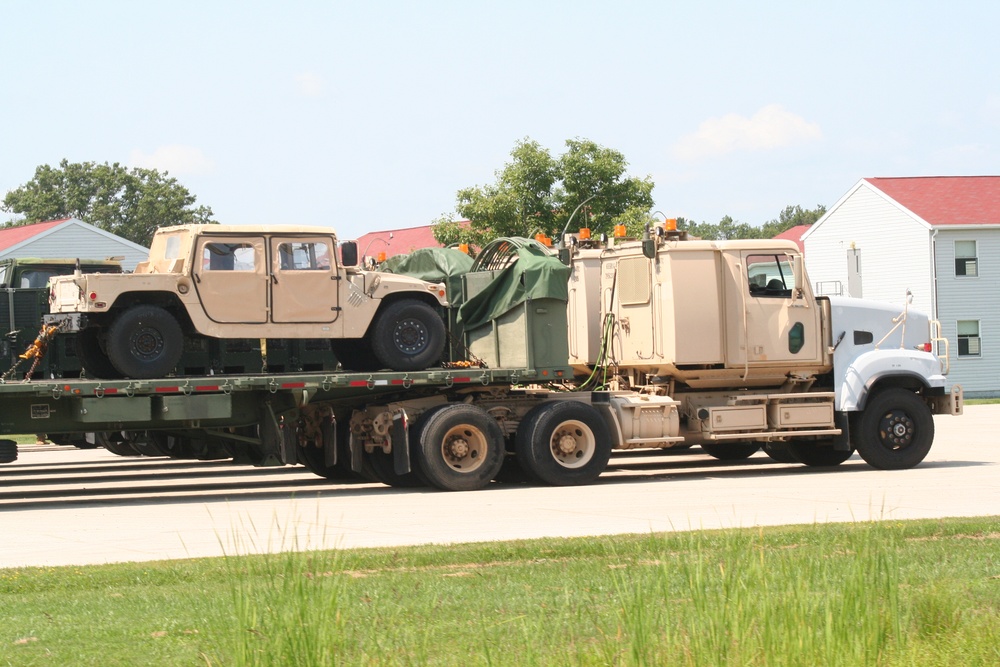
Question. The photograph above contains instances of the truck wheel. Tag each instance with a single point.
(8, 451)
(895, 431)
(778, 451)
(408, 336)
(563, 443)
(384, 468)
(145, 342)
(114, 442)
(313, 456)
(731, 451)
(818, 453)
(92, 356)
(460, 447)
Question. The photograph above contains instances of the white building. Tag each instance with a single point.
(70, 238)
(939, 238)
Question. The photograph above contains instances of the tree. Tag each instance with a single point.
(131, 203)
(792, 216)
(537, 193)
(728, 229)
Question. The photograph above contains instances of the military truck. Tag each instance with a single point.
(230, 282)
(658, 342)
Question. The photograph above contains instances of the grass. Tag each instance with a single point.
(885, 593)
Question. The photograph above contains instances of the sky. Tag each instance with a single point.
(369, 116)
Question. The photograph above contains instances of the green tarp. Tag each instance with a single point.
(532, 276)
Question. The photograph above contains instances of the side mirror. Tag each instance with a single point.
(649, 248)
(349, 253)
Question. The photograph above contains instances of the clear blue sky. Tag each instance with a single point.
(371, 115)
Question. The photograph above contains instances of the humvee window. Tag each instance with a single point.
(229, 257)
(304, 256)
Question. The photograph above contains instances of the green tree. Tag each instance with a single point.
(536, 192)
(131, 203)
(791, 217)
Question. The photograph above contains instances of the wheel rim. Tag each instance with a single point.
(464, 448)
(897, 429)
(410, 336)
(146, 343)
(572, 444)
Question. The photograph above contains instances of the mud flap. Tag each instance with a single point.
(842, 442)
(400, 443)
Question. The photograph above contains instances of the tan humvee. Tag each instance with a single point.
(247, 282)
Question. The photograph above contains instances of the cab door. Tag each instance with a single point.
(776, 325)
(304, 280)
(230, 276)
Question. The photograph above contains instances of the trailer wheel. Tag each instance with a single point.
(93, 357)
(818, 453)
(730, 451)
(563, 443)
(145, 342)
(384, 468)
(8, 451)
(313, 457)
(408, 336)
(460, 447)
(895, 431)
(114, 442)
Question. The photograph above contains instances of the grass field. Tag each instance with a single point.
(890, 593)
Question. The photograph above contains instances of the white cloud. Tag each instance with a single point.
(771, 127)
(178, 160)
(309, 84)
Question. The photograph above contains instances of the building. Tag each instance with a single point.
(68, 238)
(936, 237)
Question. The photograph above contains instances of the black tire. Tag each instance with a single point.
(459, 447)
(818, 453)
(563, 443)
(145, 342)
(407, 335)
(8, 451)
(778, 451)
(93, 358)
(114, 442)
(313, 455)
(895, 431)
(731, 451)
(144, 443)
(384, 469)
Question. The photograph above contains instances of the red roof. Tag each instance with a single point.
(946, 200)
(795, 234)
(397, 241)
(11, 236)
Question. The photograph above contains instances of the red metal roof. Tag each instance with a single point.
(795, 234)
(11, 236)
(946, 200)
(402, 241)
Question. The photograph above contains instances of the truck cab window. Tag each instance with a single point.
(770, 275)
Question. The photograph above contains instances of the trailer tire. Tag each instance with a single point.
(563, 443)
(93, 357)
(313, 457)
(895, 431)
(8, 451)
(384, 468)
(818, 454)
(459, 447)
(114, 442)
(407, 335)
(145, 342)
(731, 451)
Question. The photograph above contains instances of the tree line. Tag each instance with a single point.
(536, 192)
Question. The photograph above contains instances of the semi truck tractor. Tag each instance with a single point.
(555, 360)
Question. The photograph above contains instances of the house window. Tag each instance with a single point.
(966, 262)
(969, 343)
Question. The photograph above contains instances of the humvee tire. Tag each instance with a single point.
(408, 335)
(145, 342)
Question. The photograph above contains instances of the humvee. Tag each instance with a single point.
(226, 281)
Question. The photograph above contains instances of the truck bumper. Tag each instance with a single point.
(952, 403)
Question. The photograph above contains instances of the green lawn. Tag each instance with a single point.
(888, 593)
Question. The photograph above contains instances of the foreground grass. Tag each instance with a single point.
(913, 593)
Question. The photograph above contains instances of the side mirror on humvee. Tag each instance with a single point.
(349, 253)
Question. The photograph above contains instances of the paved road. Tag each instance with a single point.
(61, 506)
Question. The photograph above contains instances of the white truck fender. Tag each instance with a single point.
(855, 381)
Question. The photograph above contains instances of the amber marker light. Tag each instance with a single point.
(620, 231)
(670, 224)
(584, 233)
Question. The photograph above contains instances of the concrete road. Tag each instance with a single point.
(63, 506)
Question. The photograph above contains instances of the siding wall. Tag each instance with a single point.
(971, 298)
(894, 248)
(76, 241)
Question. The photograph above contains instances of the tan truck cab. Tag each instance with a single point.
(226, 281)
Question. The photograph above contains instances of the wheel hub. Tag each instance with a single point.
(410, 336)
(897, 430)
(565, 444)
(147, 343)
(458, 448)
